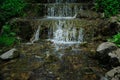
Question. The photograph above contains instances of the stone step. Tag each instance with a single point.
(69, 9)
(47, 25)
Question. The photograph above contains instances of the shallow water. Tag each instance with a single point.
(41, 61)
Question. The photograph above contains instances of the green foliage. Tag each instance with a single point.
(7, 41)
(7, 31)
(115, 39)
(10, 8)
(109, 7)
(7, 37)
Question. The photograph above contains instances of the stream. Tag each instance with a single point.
(41, 61)
(60, 51)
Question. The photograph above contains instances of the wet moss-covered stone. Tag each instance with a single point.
(41, 61)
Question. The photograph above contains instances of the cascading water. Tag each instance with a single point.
(66, 32)
(36, 36)
(62, 29)
(62, 11)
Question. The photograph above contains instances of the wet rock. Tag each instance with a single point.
(103, 78)
(108, 54)
(115, 54)
(106, 28)
(113, 28)
(17, 75)
(9, 54)
(115, 24)
(50, 58)
(115, 18)
(23, 28)
(88, 14)
(113, 74)
(106, 45)
(42, 74)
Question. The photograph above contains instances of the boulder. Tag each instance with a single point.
(9, 54)
(108, 54)
(115, 54)
(108, 29)
(106, 45)
(113, 74)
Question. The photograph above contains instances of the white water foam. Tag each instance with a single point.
(66, 33)
(36, 35)
(59, 17)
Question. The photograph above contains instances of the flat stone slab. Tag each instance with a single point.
(9, 54)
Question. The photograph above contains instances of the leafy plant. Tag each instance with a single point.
(7, 41)
(115, 39)
(7, 31)
(7, 37)
(109, 7)
(10, 8)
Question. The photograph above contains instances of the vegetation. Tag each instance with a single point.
(109, 7)
(15, 8)
(7, 37)
(115, 39)
(9, 9)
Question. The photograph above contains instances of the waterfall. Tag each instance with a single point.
(62, 10)
(36, 35)
(65, 31)
(61, 25)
